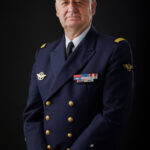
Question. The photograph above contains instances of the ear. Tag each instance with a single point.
(94, 4)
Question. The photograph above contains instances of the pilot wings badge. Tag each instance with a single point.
(41, 76)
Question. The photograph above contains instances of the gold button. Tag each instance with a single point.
(48, 103)
(47, 132)
(71, 103)
(47, 117)
(70, 119)
(48, 147)
(69, 135)
(68, 149)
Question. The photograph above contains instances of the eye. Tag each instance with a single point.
(77, 3)
(64, 3)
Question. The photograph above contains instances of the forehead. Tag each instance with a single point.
(73, 0)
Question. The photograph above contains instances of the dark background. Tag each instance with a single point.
(27, 24)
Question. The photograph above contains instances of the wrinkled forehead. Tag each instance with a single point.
(73, 0)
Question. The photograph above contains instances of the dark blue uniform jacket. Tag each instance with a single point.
(62, 114)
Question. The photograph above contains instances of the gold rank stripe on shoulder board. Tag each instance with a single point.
(120, 39)
(43, 45)
(129, 67)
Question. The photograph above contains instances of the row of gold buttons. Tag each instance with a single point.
(70, 119)
(47, 117)
(70, 103)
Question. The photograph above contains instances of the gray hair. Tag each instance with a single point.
(89, 0)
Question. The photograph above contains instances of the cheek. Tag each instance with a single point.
(85, 12)
(62, 14)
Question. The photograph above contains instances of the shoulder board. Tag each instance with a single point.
(118, 40)
(43, 45)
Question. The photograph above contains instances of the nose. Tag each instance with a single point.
(72, 7)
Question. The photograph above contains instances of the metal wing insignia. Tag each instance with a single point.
(41, 76)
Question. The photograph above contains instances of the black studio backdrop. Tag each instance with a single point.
(27, 24)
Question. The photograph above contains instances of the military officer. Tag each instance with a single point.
(81, 86)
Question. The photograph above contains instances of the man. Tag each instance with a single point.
(81, 86)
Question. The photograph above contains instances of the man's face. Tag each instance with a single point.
(75, 13)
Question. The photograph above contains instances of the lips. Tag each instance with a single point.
(73, 17)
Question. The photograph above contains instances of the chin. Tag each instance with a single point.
(74, 24)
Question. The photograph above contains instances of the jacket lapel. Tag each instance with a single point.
(58, 57)
(75, 62)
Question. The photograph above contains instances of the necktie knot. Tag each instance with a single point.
(69, 48)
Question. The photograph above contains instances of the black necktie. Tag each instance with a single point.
(69, 48)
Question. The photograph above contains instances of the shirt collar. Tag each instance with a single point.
(78, 39)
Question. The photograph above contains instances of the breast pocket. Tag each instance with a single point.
(93, 86)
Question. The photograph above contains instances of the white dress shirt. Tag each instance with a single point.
(78, 39)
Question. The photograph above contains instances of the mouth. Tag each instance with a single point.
(73, 17)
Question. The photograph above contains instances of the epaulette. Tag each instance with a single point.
(120, 39)
(43, 45)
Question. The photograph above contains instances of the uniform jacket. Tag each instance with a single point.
(62, 114)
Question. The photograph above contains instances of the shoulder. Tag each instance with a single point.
(46, 48)
(111, 40)
(111, 47)
(112, 43)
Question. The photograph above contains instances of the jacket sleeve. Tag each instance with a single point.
(106, 127)
(33, 116)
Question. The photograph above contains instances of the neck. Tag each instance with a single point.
(72, 33)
